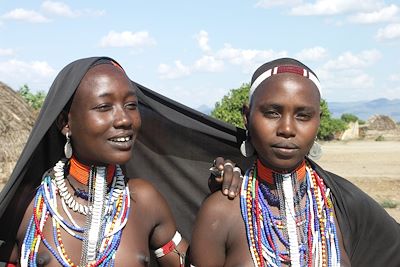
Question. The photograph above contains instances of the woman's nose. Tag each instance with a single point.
(122, 118)
(286, 127)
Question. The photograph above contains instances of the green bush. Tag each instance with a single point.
(347, 117)
(389, 204)
(34, 100)
(230, 106)
(329, 126)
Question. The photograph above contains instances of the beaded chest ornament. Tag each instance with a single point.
(298, 236)
(106, 216)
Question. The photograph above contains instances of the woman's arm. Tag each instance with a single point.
(165, 241)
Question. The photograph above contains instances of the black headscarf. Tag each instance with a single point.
(174, 150)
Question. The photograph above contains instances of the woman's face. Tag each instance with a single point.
(283, 120)
(104, 118)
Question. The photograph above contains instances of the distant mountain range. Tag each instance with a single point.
(362, 109)
(366, 109)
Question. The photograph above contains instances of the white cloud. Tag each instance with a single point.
(390, 32)
(25, 15)
(6, 52)
(348, 71)
(33, 68)
(16, 73)
(388, 13)
(127, 39)
(345, 84)
(349, 60)
(272, 3)
(209, 64)
(362, 80)
(62, 9)
(177, 71)
(58, 8)
(334, 7)
(202, 40)
(249, 59)
(312, 54)
(395, 77)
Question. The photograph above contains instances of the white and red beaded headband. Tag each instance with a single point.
(284, 69)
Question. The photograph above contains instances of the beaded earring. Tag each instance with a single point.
(68, 147)
(246, 148)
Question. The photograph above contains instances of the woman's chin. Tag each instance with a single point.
(283, 165)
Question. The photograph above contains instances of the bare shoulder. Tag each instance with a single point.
(217, 210)
(215, 223)
(148, 200)
(142, 190)
(218, 201)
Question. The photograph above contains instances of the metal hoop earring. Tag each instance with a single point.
(68, 147)
(315, 152)
(246, 148)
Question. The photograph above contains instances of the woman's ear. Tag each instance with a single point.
(245, 115)
(62, 122)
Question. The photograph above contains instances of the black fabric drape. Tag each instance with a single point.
(370, 235)
(175, 149)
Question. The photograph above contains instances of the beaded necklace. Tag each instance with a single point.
(298, 236)
(107, 216)
(81, 172)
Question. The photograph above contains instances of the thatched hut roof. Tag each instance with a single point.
(16, 121)
(381, 123)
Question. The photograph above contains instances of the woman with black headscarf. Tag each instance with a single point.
(84, 209)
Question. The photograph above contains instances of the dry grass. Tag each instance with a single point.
(16, 121)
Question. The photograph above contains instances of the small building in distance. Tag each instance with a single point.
(380, 127)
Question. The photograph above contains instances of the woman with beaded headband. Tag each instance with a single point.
(291, 212)
(85, 212)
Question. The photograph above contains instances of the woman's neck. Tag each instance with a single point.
(268, 174)
(81, 172)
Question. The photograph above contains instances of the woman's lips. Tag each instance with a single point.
(122, 142)
(285, 150)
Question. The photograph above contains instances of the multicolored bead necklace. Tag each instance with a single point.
(304, 232)
(107, 215)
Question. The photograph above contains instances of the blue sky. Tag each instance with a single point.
(196, 51)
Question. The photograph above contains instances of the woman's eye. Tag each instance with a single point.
(131, 105)
(103, 107)
(304, 116)
(271, 114)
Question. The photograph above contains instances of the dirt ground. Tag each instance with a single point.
(371, 165)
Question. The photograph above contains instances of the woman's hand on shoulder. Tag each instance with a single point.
(225, 176)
